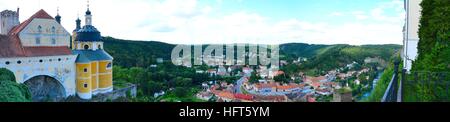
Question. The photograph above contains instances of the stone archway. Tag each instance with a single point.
(45, 89)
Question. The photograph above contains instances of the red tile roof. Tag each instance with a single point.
(11, 46)
(265, 85)
(244, 96)
(46, 51)
(228, 95)
(287, 87)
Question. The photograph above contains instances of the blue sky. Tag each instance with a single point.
(235, 21)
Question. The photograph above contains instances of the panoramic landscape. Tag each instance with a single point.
(212, 51)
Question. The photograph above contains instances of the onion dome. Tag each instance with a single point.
(88, 33)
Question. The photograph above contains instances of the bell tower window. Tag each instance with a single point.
(86, 47)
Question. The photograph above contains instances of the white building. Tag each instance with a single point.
(410, 32)
(36, 48)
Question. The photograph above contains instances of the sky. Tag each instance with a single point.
(354, 22)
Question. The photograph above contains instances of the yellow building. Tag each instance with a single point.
(93, 64)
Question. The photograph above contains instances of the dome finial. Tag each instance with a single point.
(88, 12)
(58, 17)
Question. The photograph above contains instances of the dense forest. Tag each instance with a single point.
(434, 34)
(10, 90)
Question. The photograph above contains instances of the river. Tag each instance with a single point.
(375, 81)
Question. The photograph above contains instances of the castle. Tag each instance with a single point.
(43, 55)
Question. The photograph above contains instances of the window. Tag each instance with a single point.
(41, 60)
(53, 30)
(59, 59)
(39, 29)
(50, 60)
(53, 41)
(100, 47)
(38, 40)
(109, 66)
(19, 62)
(85, 70)
(7, 63)
(86, 47)
(85, 85)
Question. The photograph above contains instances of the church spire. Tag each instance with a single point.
(88, 15)
(58, 17)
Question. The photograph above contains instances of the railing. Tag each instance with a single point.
(425, 86)
(417, 86)
(394, 90)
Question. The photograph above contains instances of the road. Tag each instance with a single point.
(240, 82)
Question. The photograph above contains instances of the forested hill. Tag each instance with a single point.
(332, 56)
(128, 53)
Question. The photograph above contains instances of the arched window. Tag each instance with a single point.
(85, 85)
(100, 47)
(86, 47)
(39, 29)
(85, 70)
(109, 66)
(53, 30)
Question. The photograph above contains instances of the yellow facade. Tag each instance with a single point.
(105, 75)
(83, 77)
(94, 75)
(98, 76)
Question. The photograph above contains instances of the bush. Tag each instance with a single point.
(434, 34)
(10, 91)
(6, 75)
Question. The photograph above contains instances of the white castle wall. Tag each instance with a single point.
(411, 40)
(62, 68)
(29, 34)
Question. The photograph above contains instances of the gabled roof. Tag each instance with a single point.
(11, 46)
(41, 14)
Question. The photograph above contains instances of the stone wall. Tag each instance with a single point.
(129, 91)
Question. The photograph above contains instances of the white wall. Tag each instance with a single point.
(29, 34)
(411, 41)
(64, 71)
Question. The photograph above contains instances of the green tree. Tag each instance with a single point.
(10, 91)
(434, 33)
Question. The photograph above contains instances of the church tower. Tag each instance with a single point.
(94, 65)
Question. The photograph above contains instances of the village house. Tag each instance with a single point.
(204, 95)
(225, 96)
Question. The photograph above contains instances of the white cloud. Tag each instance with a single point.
(186, 21)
